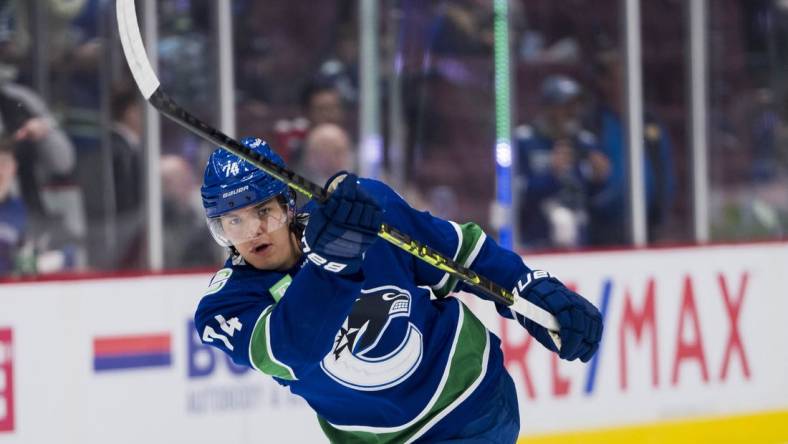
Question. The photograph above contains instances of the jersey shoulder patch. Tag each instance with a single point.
(238, 282)
(218, 281)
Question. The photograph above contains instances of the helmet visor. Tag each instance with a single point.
(247, 224)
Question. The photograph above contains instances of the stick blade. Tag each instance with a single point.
(133, 48)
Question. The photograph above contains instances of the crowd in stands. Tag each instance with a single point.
(72, 152)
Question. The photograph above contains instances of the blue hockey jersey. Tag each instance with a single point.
(375, 357)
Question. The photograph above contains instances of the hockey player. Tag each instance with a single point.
(345, 320)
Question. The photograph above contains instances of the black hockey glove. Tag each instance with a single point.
(340, 231)
(580, 321)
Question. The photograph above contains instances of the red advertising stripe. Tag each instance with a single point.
(131, 344)
(6, 381)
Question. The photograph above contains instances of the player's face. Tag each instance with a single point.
(260, 234)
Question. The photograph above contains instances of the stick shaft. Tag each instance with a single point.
(172, 110)
(148, 84)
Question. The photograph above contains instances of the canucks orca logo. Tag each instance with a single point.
(372, 351)
(368, 320)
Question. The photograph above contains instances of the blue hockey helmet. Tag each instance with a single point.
(231, 183)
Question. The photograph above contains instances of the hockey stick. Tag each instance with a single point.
(149, 86)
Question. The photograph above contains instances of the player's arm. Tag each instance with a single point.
(284, 338)
(467, 244)
(292, 335)
(463, 243)
(299, 330)
(580, 322)
(229, 310)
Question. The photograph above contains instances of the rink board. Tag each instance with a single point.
(117, 360)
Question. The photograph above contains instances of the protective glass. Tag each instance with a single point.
(248, 223)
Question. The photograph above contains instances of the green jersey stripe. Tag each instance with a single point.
(260, 354)
(471, 239)
(466, 369)
(446, 276)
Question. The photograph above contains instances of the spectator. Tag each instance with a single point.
(608, 210)
(181, 49)
(341, 68)
(753, 204)
(463, 28)
(560, 169)
(45, 166)
(13, 217)
(327, 150)
(17, 38)
(127, 179)
(127, 132)
(184, 225)
(322, 103)
(44, 153)
(113, 180)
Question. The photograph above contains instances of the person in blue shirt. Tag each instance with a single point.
(312, 298)
(560, 169)
(609, 208)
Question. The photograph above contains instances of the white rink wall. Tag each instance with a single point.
(680, 325)
(689, 332)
